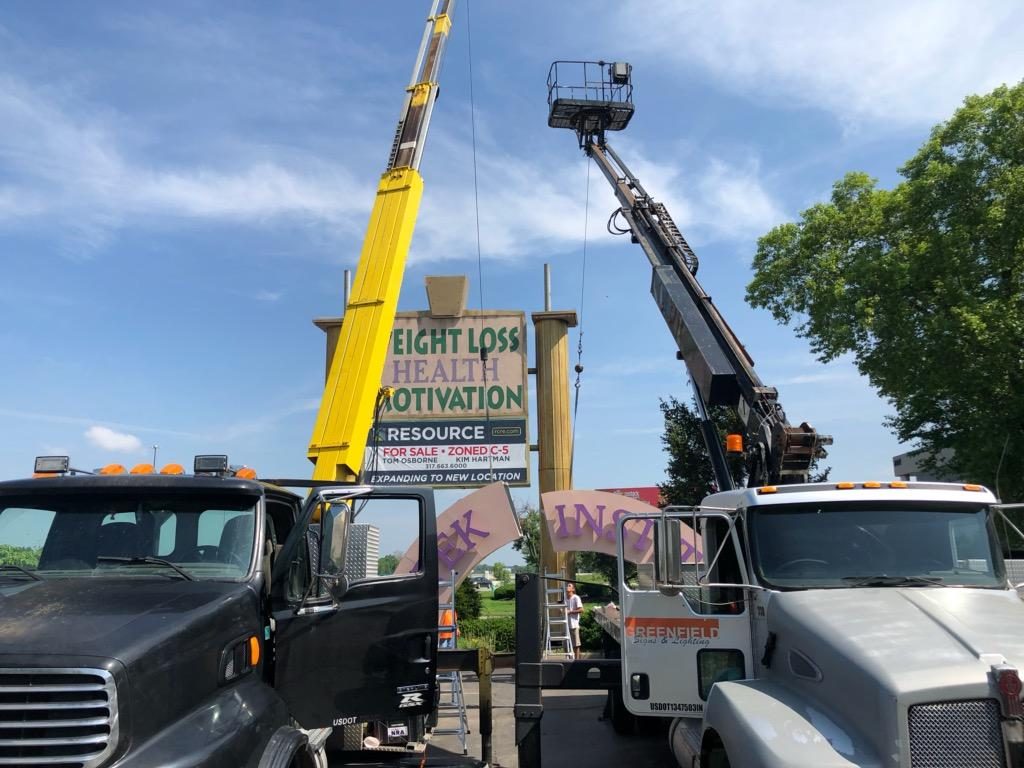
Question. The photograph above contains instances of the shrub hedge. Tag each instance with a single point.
(498, 633)
(505, 592)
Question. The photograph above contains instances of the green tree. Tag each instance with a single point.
(690, 476)
(387, 564)
(924, 285)
(468, 603)
(529, 544)
(500, 571)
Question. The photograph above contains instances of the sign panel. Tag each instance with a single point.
(647, 494)
(472, 528)
(586, 521)
(448, 453)
(457, 415)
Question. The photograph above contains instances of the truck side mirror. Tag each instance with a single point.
(669, 556)
(333, 542)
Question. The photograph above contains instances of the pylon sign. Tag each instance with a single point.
(457, 416)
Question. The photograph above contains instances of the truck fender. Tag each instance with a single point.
(287, 748)
(764, 725)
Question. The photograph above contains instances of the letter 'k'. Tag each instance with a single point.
(464, 534)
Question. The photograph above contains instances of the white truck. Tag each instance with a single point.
(832, 624)
(844, 624)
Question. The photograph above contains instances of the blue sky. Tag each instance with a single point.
(182, 186)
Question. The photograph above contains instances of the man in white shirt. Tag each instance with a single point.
(574, 607)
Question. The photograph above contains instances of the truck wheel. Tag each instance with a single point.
(287, 748)
(623, 721)
(716, 758)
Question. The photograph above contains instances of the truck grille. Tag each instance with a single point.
(61, 718)
(955, 734)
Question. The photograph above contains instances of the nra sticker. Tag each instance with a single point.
(398, 731)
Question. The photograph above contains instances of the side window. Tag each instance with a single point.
(383, 540)
(119, 517)
(23, 533)
(211, 525)
(167, 534)
(971, 548)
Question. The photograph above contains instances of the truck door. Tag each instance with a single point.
(363, 645)
(684, 622)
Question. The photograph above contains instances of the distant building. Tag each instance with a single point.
(363, 551)
(910, 466)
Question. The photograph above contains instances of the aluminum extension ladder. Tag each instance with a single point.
(557, 639)
(451, 700)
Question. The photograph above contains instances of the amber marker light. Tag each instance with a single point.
(972, 487)
(767, 489)
(112, 469)
(872, 484)
(172, 469)
(142, 469)
(845, 486)
(254, 651)
(246, 473)
(734, 443)
(898, 484)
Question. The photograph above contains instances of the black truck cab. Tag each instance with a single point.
(184, 620)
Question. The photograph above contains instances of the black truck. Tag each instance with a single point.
(151, 619)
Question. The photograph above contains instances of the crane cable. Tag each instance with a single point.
(579, 346)
(479, 253)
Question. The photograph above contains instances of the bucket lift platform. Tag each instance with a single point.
(590, 97)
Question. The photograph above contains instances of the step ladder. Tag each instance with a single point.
(451, 700)
(557, 639)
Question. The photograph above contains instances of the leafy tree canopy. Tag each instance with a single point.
(924, 285)
(690, 476)
(529, 544)
(387, 564)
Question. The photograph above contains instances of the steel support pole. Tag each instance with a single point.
(528, 705)
(485, 665)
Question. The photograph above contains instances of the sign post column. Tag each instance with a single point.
(554, 427)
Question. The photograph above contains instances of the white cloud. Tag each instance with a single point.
(110, 440)
(62, 163)
(533, 206)
(906, 62)
(83, 164)
(268, 296)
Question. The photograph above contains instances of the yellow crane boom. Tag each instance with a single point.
(347, 408)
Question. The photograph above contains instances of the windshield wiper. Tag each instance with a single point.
(883, 580)
(8, 567)
(147, 560)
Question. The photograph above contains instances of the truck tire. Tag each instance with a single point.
(287, 748)
(623, 721)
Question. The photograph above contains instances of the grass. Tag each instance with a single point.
(492, 608)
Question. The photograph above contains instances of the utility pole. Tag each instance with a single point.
(554, 427)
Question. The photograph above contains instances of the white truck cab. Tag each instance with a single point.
(831, 624)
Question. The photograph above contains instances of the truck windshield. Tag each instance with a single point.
(864, 544)
(86, 535)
